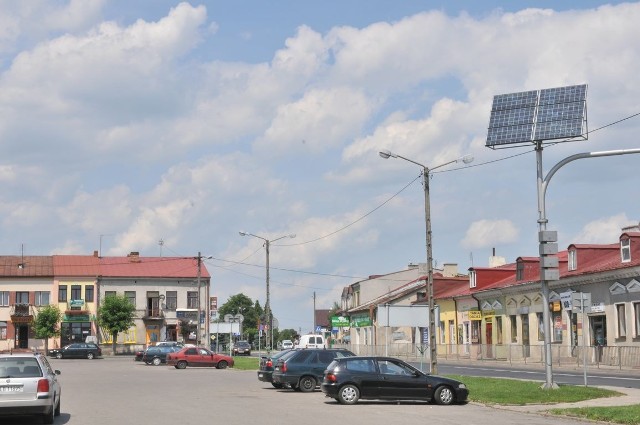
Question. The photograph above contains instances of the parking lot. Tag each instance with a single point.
(119, 390)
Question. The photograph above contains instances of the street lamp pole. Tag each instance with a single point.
(427, 214)
(267, 304)
(199, 327)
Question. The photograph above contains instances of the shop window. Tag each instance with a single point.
(499, 330)
(636, 319)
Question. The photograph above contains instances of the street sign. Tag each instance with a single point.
(581, 300)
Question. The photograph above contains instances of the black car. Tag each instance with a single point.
(385, 378)
(241, 347)
(303, 369)
(157, 355)
(265, 370)
(77, 350)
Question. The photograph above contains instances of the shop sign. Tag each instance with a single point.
(475, 315)
(76, 303)
(361, 322)
(339, 322)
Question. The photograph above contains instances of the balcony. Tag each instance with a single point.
(21, 313)
(151, 314)
(76, 308)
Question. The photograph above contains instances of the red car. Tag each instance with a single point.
(198, 357)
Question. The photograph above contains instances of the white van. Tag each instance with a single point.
(311, 341)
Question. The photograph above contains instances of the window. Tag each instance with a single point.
(540, 327)
(499, 330)
(42, 297)
(171, 300)
(4, 298)
(514, 329)
(131, 296)
(3, 330)
(192, 300)
(625, 250)
(636, 318)
(556, 325)
(519, 270)
(22, 298)
(109, 294)
(62, 293)
(472, 279)
(573, 260)
(76, 292)
(621, 320)
(88, 294)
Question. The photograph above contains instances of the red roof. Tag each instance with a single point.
(130, 266)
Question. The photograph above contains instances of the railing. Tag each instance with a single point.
(20, 310)
(622, 357)
(150, 313)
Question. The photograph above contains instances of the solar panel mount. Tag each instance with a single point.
(538, 116)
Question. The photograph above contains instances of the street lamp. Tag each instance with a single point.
(206, 321)
(267, 305)
(427, 213)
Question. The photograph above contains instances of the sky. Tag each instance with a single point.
(168, 127)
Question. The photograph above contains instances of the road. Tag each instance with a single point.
(118, 390)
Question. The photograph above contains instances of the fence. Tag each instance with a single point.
(622, 357)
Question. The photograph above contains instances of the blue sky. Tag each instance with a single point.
(126, 123)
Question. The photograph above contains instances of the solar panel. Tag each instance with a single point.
(537, 115)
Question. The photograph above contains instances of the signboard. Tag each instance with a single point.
(361, 322)
(76, 303)
(213, 302)
(475, 315)
(565, 299)
(581, 300)
(339, 322)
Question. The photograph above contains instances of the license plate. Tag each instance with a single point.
(11, 389)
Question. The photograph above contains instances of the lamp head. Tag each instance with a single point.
(467, 159)
(386, 154)
(243, 233)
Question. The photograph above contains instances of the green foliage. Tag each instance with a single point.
(246, 363)
(116, 314)
(289, 334)
(241, 304)
(45, 324)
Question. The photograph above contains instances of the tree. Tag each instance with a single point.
(46, 324)
(116, 315)
(241, 304)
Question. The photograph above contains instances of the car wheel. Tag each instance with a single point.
(47, 418)
(277, 385)
(90, 356)
(57, 411)
(156, 361)
(444, 395)
(307, 384)
(181, 365)
(222, 364)
(58, 355)
(349, 394)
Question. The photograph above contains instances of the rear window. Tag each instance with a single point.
(360, 365)
(19, 367)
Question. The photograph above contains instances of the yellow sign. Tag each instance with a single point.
(475, 315)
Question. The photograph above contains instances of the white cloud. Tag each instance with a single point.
(603, 231)
(490, 233)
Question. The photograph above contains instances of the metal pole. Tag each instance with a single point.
(432, 325)
(267, 308)
(199, 308)
(584, 338)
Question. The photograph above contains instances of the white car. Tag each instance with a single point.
(28, 386)
(287, 344)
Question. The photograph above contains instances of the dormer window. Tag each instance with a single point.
(519, 270)
(573, 260)
(472, 279)
(625, 250)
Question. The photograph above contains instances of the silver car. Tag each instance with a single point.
(28, 387)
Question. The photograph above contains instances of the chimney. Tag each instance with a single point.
(450, 270)
(95, 254)
(495, 261)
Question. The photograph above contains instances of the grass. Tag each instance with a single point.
(519, 393)
(246, 363)
(515, 392)
(615, 414)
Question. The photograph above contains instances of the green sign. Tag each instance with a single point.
(76, 303)
(361, 321)
(339, 322)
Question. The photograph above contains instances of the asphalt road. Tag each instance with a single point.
(119, 391)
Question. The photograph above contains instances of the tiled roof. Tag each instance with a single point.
(26, 266)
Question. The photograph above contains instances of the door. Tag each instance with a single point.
(488, 334)
(397, 381)
(22, 332)
(598, 335)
